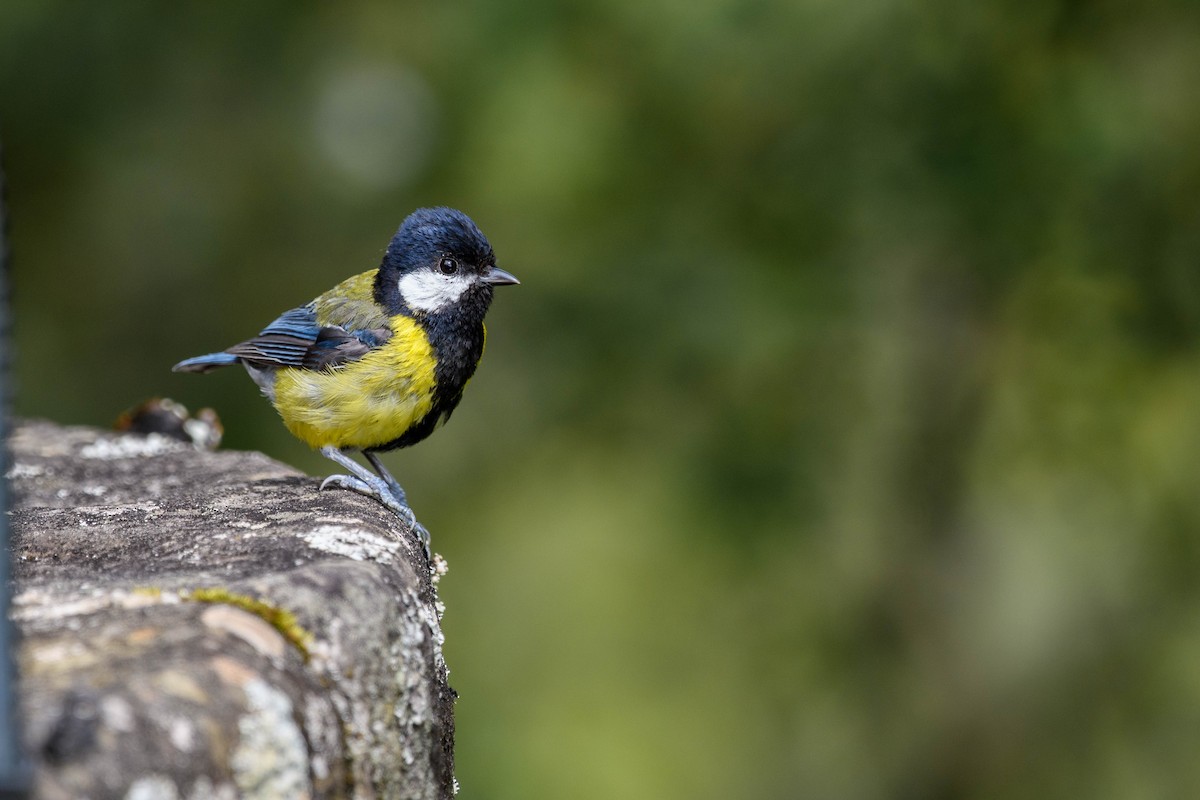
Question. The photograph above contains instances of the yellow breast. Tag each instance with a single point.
(364, 403)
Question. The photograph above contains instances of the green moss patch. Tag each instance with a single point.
(280, 619)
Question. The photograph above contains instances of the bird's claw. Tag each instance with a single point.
(379, 490)
(346, 482)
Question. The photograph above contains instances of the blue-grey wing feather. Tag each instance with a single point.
(296, 339)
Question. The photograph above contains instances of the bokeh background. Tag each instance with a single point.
(843, 438)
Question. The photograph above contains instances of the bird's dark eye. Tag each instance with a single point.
(448, 266)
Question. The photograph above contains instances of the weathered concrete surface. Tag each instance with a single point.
(208, 625)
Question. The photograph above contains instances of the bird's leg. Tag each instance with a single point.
(392, 483)
(398, 493)
(360, 474)
(382, 487)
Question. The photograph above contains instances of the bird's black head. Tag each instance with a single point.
(438, 262)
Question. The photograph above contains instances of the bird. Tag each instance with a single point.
(381, 359)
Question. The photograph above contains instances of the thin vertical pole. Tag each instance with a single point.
(14, 770)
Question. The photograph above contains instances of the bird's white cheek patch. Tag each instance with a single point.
(429, 291)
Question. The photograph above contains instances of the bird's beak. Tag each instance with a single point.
(498, 277)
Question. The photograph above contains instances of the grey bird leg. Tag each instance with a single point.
(399, 494)
(382, 487)
(392, 483)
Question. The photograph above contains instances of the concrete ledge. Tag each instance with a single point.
(207, 625)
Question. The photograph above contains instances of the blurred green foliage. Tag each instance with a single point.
(842, 440)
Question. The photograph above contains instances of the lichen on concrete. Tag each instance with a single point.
(271, 758)
(354, 543)
(153, 787)
(113, 447)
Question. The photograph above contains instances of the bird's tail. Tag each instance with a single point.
(205, 363)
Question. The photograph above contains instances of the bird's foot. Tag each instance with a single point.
(380, 490)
